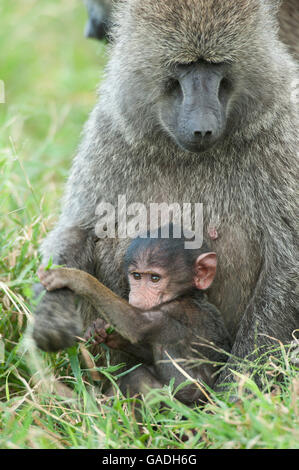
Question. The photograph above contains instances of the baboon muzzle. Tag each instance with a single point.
(202, 113)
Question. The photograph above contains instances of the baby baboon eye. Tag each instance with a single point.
(136, 276)
(155, 278)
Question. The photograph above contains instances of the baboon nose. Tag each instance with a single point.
(200, 135)
(197, 138)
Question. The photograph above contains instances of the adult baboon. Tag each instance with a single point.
(99, 18)
(100, 21)
(197, 106)
(289, 25)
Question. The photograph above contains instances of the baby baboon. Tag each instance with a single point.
(167, 313)
(197, 106)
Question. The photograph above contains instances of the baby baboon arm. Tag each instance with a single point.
(130, 322)
(99, 333)
(161, 325)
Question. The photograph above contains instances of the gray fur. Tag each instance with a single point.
(101, 18)
(289, 25)
(247, 182)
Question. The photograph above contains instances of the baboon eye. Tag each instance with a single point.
(173, 85)
(155, 278)
(225, 87)
(136, 276)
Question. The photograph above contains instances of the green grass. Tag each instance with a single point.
(51, 400)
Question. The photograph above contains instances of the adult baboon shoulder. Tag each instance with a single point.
(197, 106)
(289, 25)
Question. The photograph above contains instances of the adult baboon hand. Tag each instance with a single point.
(57, 325)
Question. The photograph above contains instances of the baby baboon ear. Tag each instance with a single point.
(205, 270)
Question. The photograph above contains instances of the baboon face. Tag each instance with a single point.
(194, 108)
(195, 64)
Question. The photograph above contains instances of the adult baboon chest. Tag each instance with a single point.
(239, 264)
(237, 242)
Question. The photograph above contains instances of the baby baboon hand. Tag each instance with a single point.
(52, 279)
(99, 333)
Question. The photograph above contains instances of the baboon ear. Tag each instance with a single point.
(205, 270)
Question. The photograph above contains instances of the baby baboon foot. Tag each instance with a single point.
(51, 279)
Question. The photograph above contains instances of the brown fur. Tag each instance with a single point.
(187, 328)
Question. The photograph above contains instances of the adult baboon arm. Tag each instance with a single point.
(268, 319)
